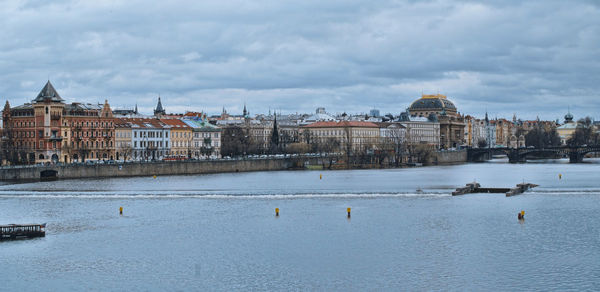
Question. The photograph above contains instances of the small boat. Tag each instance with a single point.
(18, 231)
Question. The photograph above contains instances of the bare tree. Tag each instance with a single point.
(584, 133)
(397, 140)
(297, 148)
(126, 151)
(330, 147)
(347, 143)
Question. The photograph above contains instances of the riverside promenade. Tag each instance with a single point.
(129, 169)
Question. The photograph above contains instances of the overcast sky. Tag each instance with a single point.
(525, 57)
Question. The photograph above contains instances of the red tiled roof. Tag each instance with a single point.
(142, 122)
(175, 123)
(342, 124)
(193, 114)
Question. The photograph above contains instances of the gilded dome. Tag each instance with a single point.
(435, 102)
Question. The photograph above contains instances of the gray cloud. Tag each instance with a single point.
(530, 58)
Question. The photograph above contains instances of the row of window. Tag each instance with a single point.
(213, 144)
(150, 134)
(88, 144)
(150, 144)
(206, 135)
(120, 134)
(90, 134)
(180, 134)
(87, 124)
(73, 124)
(343, 132)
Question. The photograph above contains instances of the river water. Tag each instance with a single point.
(219, 232)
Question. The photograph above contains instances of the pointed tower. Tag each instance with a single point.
(159, 110)
(106, 111)
(245, 112)
(136, 110)
(48, 94)
(224, 114)
(275, 136)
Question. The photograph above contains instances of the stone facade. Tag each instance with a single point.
(354, 135)
(49, 130)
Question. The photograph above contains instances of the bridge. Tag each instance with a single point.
(516, 155)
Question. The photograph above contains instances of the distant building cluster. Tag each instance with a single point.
(48, 130)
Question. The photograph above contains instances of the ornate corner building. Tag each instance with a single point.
(49, 130)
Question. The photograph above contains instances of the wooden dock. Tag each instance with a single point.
(19, 231)
(474, 187)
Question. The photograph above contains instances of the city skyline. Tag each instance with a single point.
(529, 59)
(271, 111)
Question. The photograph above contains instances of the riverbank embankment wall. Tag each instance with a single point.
(71, 171)
(450, 157)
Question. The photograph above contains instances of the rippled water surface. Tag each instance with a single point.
(219, 232)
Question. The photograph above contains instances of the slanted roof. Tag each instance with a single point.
(198, 125)
(23, 106)
(48, 93)
(145, 123)
(175, 123)
(342, 124)
(389, 125)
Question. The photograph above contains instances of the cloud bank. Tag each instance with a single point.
(532, 58)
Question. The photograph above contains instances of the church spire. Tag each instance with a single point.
(159, 108)
(275, 137)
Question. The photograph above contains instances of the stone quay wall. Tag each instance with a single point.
(450, 157)
(71, 171)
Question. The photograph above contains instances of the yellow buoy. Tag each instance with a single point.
(522, 213)
(320, 176)
(154, 176)
(276, 211)
(348, 209)
(121, 210)
(559, 176)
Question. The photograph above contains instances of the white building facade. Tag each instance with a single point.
(150, 139)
